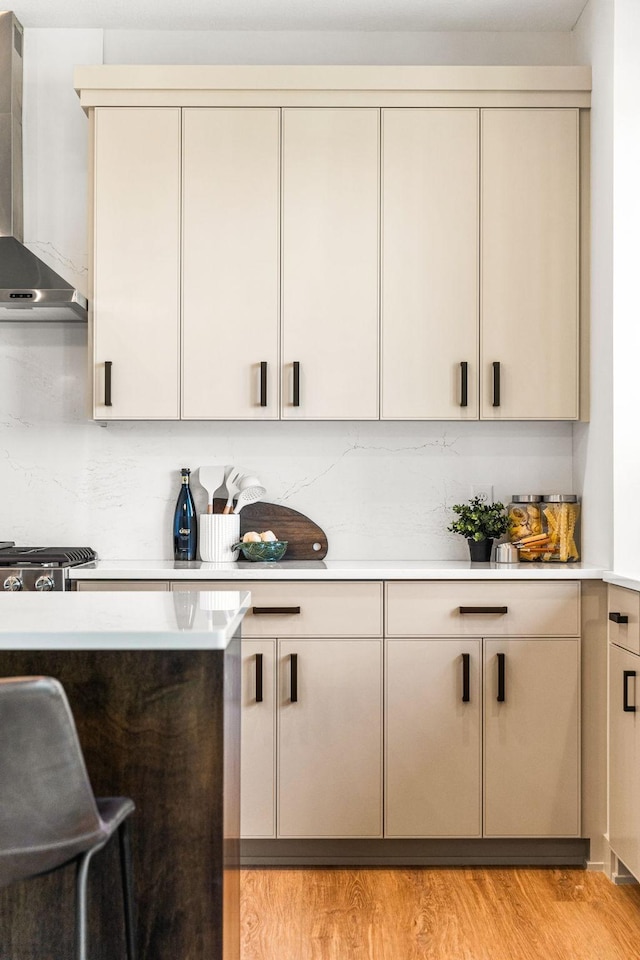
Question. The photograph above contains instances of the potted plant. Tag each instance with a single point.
(479, 522)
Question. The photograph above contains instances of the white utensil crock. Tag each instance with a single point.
(218, 533)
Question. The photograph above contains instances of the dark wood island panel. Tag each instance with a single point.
(162, 727)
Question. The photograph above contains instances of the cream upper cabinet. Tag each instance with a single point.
(136, 257)
(429, 264)
(230, 263)
(330, 215)
(529, 264)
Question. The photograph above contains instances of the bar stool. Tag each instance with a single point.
(49, 815)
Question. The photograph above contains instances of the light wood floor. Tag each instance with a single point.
(437, 914)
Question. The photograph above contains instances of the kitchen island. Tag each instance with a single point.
(154, 684)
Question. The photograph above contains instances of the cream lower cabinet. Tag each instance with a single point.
(624, 726)
(330, 738)
(506, 761)
(433, 736)
(323, 701)
(624, 757)
(258, 748)
(531, 738)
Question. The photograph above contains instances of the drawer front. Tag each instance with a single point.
(305, 609)
(483, 609)
(624, 618)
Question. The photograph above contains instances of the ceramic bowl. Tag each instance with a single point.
(268, 550)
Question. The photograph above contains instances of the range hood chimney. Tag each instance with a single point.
(29, 289)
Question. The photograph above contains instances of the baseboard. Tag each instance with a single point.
(423, 853)
(597, 866)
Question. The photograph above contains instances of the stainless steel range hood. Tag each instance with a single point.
(29, 289)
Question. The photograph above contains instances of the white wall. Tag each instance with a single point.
(361, 47)
(378, 489)
(593, 445)
(626, 320)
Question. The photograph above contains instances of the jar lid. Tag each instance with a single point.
(560, 498)
(526, 498)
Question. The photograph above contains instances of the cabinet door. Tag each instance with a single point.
(230, 249)
(429, 284)
(330, 264)
(258, 745)
(529, 271)
(624, 758)
(433, 742)
(136, 255)
(330, 738)
(531, 739)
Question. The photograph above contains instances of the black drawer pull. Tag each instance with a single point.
(501, 677)
(296, 383)
(464, 383)
(496, 383)
(500, 610)
(107, 383)
(294, 678)
(626, 706)
(258, 678)
(618, 618)
(466, 658)
(261, 610)
(263, 383)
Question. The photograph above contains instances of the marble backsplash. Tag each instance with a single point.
(379, 490)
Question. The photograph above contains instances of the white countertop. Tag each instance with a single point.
(333, 570)
(119, 620)
(631, 583)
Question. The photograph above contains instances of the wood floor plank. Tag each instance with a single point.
(487, 913)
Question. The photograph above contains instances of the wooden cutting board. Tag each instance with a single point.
(287, 524)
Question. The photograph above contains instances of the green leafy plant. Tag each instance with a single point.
(479, 520)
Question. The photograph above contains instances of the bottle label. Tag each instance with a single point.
(184, 531)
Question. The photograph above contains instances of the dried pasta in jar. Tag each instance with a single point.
(561, 521)
(524, 514)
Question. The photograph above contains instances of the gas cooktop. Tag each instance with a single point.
(40, 568)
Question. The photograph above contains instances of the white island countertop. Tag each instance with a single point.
(333, 570)
(119, 620)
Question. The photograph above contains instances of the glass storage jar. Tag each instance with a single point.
(561, 524)
(524, 514)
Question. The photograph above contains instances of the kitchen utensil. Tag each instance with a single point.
(231, 482)
(210, 478)
(218, 535)
(251, 490)
(506, 553)
(307, 541)
(270, 550)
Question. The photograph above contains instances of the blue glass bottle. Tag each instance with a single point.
(185, 522)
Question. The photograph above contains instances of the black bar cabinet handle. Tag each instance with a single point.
(496, 383)
(294, 678)
(466, 658)
(262, 610)
(501, 665)
(619, 617)
(500, 610)
(107, 383)
(263, 383)
(258, 678)
(464, 383)
(626, 706)
(296, 383)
